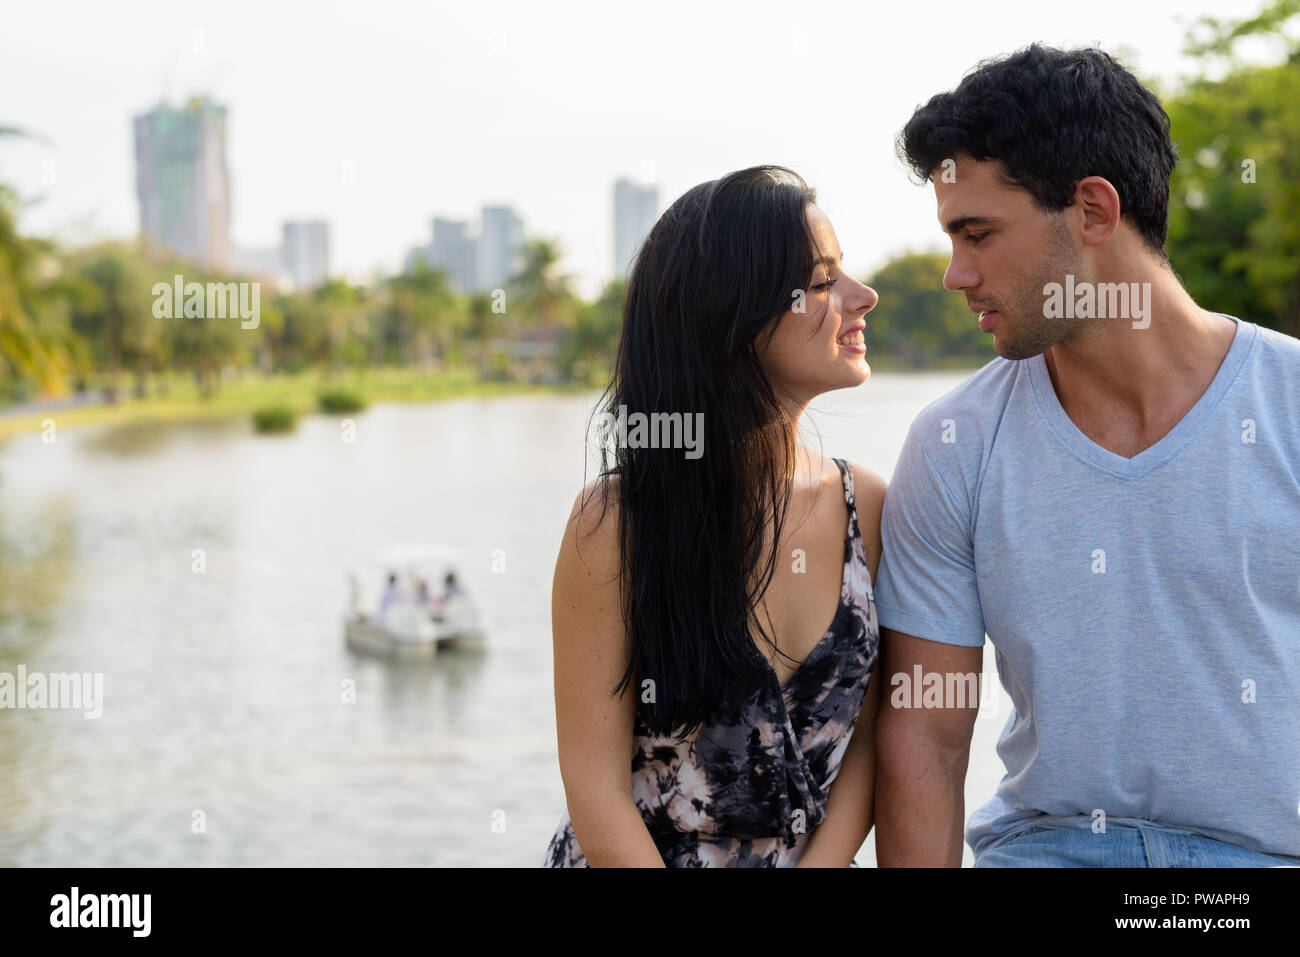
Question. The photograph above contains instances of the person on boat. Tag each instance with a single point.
(394, 594)
(427, 600)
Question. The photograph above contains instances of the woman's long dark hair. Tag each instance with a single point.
(717, 270)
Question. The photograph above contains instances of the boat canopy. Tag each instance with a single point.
(410, 563)
(425, 554)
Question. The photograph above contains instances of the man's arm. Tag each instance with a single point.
(921, 757)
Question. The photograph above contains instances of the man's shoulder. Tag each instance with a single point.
(967, 417)
(984, 394)
(1270, 388)
(1280, 349)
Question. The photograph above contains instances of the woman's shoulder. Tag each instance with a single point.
(590, 550)
(868, 502)
(585, 591)
(868, 487)
(595, 509)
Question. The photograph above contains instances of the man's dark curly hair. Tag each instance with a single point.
(1054, 117)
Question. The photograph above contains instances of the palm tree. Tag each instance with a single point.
(423, 305)
(341, 303)
(588, 349)
(32, 346)
(27, 349)
(117, 314)
(541, 291)
(479, 317)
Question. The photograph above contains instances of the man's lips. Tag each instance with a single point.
(987, 316)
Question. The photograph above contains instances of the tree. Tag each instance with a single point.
(1234, 211)
(31, 347)
(115, 312)
(539, 291)
(917, 320)
(205, 345)
(340, 304)
(479, 317)
(422, 302)
(587, 351)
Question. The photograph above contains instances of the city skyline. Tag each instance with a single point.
(475, 260)
(514, 106)
(183, 187)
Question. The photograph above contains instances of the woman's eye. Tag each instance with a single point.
(826, 285)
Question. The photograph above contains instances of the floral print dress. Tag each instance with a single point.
(748, 794)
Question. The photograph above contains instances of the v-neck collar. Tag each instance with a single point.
(1191, 424)
(840, 611)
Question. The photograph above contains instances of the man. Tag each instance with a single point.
(1115, 502)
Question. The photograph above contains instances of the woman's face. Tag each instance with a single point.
(818, 344)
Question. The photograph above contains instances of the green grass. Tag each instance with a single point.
(275, 418)
(299, 392)
(341, 400)
(304, 394)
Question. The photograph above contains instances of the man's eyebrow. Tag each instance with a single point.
(957, 225)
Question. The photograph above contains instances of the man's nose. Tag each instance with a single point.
(957, 276)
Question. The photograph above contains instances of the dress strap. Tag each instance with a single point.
(846, 476)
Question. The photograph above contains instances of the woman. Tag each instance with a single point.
(706, 693)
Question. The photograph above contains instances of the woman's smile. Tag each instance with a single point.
(853, 340)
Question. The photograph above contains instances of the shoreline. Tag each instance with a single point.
(241, 396)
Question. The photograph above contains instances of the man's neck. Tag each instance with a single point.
(1127, 387)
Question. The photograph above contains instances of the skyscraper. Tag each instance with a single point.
(306, 251)
(499, 243)
(475, 263)
(635, 209)
(182, 182)
(453, 250)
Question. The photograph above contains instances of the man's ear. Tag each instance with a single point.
(1098, 203)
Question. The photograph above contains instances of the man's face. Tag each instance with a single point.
(1004, 250)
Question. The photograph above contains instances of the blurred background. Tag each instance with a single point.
(410, 227)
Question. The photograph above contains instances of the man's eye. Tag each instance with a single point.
(974, 238)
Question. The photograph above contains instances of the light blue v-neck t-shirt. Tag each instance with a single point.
(1145, 612)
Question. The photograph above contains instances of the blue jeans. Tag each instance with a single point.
(1120, 846)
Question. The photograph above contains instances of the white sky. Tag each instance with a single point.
(443, 107)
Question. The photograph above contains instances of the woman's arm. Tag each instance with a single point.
(849, 805)
(594, 728)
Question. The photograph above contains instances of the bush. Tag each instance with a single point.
(341, 400)
(274, 418)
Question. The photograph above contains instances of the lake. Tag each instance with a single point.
(201, 569)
